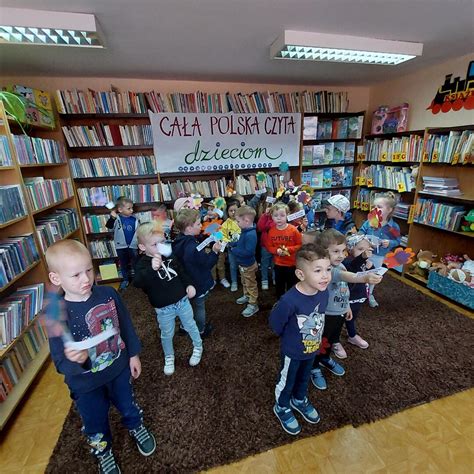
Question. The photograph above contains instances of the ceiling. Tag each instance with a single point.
(229, 40)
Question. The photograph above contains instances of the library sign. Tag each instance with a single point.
(213, 142)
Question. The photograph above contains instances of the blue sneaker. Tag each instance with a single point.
(333, 367)
(288, 421)
(306, 410)
(124, 284)
(318, 379)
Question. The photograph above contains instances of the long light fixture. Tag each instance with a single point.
(39, 27)
(301, 45)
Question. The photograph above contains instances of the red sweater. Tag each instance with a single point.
(264, 224)
(290, 238)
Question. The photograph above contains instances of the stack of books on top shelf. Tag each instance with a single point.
(246, 185)
(46, 192)
(56, 226)
(38, 151)
(113, 166)
(19, 357)
(407, 149)
(457, 147)
(12, 204)
(18, 310)
(388, 177)
(402, 210)
(17, 253)
(329, 153)
(336, 176)
(6, 158)
(170, 191)
(444, 216)
(441, 186)
(102, 248)
(342, 128)
(100, 195)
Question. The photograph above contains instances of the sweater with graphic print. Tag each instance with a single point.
(288, 237)
(338, 302)
(299, 321)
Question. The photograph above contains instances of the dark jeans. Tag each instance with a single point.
(331, 333)
(127, 257)
(285, 279)
(350, 325)
(199, 308)
(293, 380)
(94, 410)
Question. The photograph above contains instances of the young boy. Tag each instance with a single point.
(159, 213)
(231, 232)
(298, 318)
(168, 288)
(338, 215)
(197, 264)
(244, 252)
(338, 308)
(99, 375)
(124, 225)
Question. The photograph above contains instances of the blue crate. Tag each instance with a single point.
(455, 291)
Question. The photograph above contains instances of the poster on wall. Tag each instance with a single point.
(211, 142)
(455, 94)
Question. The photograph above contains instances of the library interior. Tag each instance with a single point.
(295, 179)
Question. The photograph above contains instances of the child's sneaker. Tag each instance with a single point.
(144, 439)
(107, 463)
(339, 351)
(358, 341)
(306, 410)
(208, 328)
(225, 283)
(242, 300)
(333, 367)
(372, 302)
(234, 287)
(288, 421)
(250, 310)
(169, 365)
(196, 356)
(318, 379)
(264, 285)
(123, 284)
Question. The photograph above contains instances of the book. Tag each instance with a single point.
(337, 176)
(108, 272)
(349, 152)
(339, 152)
(310, 128)
(317, 178)
(328, 153)
(327, 177)
(318, 154)
(307, 155)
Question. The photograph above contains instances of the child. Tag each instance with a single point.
(168, 289)
(388, 235)
(298, 318)
(244, 252)
(231, 232)
(197, 264)
(100, 375)
(159, 213)
(124, 225)
(283, 242)
(301, 223)
(338, 307)
(338, 215)
(264, 224)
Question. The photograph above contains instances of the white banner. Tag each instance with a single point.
(213, 142)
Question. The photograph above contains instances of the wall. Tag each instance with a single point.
(418, 90)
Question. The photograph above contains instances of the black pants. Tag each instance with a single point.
(331, 333)
(127, 257)
(285, 278)
(350, 325)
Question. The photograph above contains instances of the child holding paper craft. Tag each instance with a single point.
(338, 308)
(124, 224)
(196, 262)
(338, 214)
(384, 230)
(231, 233)
(264, 224)
(284, 240)
(244, 252)
(160, 275)
(96, 370)
(295, 208)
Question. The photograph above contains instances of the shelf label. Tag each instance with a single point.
(425, 157)
(362, 180)
(383, 157)
(455, 160)
(396, 157)
(401, 187)
(403, 157)
(357, 204)
(370, 182)
(360, 156)
(365, 206)
(435, 157)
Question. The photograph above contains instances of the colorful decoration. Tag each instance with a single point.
(284, 251)
(281, 190)
(394, 232)
(467, 224)
(284, 167)
(230, 189)
(399, 257)
(325, 347)
(213, 228)
(303, 197)
(375, 218)
(261, 177)
(219, 202)
(195, 201)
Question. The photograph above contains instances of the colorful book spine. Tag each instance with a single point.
(438, 214)
(34, 151)
(113, 166)
(99, 196)
(46, 192)
(56, 226)
(12, 203)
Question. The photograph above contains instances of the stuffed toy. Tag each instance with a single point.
(439, 267)
(467, 224)
(423, 263)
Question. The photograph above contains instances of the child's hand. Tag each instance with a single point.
(385, 243)
(113, 214)
(373, 279)
(367, 254)
(191, 291)
(348, 315)
(156, 262)
(217, 247)
(76, 356)
(135, 366)
(369, 265)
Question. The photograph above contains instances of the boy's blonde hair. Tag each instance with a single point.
(246, 211)
(278, 206)
(330, 237)
(186, 218)
(147, 229)
(63, 249)
(310, 253)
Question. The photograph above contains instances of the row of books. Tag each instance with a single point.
(340, 128)
(17, 253)
(437, 214)
(12, 203)
(19, 357)
(401, 149)
(402, 210)
(100, 195)
(18, 310)
(321, 196)
(101, 134)
(329, 153)
(34, 151)
(328, 177)
(56, 226)
(46, 192)
(103, 102)
(441, 186)
(113, 166)
(389, 177)
(170, 191)
(95, 223)
(6, 158)
(364, 199)
(246, 185)
(457, 147)
(104, 248)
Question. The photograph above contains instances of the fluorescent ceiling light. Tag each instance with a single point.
(38, 27)
(345, 49)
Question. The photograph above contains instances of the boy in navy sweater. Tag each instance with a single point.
(101, 374)
(298, 318)
(244, 252)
